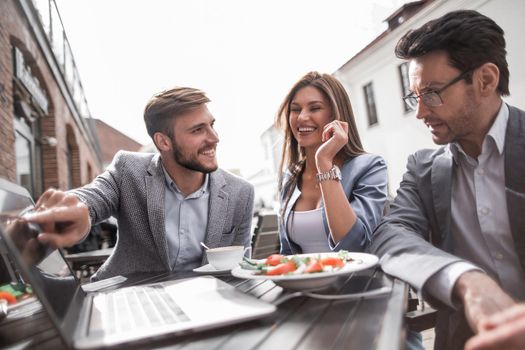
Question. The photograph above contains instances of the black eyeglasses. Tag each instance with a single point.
(432, 98)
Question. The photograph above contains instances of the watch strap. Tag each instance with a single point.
(332, 174)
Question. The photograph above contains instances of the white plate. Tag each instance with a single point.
(210, 270)
(318, 280)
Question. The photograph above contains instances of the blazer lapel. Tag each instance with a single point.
(515, 179)
(217, 209)
(441, 179)
(155, 193)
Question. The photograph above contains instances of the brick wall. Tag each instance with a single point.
(111, 141)
(7, 158)
(15, 30)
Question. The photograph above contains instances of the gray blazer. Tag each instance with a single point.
(364, 181)
(132, 190)
(421, 214)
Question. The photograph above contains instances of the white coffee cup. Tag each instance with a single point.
(225, 258)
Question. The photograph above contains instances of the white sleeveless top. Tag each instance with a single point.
(306, 229)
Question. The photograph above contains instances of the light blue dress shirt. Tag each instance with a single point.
(186, 219)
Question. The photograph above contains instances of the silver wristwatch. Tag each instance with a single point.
(332, 174)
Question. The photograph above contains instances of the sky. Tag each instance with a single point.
(245, 54)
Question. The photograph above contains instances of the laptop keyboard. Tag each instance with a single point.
(141, 308)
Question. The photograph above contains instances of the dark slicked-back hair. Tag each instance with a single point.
(165, 106)
(469, 38)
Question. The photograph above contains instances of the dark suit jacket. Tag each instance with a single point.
(132, 189)
(421, 214)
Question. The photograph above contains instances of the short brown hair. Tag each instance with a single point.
(166, 105)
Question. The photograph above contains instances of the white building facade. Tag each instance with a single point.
(375, 79)
(266, 179)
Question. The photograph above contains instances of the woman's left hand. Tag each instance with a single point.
(334, 137)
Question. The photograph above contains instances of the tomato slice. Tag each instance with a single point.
(274, 259)
(314, 266)
(331, 261)
(11, 299)
(282, 269)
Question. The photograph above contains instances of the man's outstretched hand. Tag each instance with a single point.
(64, 219)
(504, 330)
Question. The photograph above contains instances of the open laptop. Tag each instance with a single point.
(126, 315)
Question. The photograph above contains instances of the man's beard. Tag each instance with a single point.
(189, 162)
(462, 125)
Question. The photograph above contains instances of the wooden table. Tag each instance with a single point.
(299, 323)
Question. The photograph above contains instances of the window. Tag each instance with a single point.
(24, 166)
(69, 66)
(73, 159)
(405, 85)
(42, 7)
(69, 157)
(370, 104)
(57, 35)
(28, 156)
(29, 105)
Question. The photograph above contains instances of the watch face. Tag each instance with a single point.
(337, 172)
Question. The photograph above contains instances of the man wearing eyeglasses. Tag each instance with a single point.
(456, 230)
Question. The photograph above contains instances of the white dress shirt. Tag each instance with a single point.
(480, 225)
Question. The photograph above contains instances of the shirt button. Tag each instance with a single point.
(498, 256)
(485, 211)
(181, 232)
(481, 172)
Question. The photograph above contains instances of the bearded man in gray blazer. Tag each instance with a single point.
(165, 203)
(456, 230)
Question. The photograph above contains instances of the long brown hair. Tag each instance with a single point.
(293, 156)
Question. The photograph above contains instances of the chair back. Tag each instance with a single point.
(266, 236)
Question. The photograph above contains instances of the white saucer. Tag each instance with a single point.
(210, 270)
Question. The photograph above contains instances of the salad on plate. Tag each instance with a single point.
(303, 264)
(305, 271)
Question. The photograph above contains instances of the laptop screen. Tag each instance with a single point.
(37, 268)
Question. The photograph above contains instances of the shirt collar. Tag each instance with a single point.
(499, 127)
(456, 150)
(172, 185)
(496, 132)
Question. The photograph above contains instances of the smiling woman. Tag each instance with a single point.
(332, 192)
